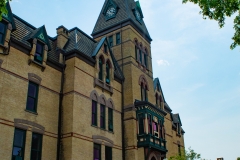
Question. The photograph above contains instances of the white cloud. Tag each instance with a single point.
(163, 62)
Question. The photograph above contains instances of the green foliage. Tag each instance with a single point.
(3, 9)
(218, 10)
(186, 155)
(238, 158)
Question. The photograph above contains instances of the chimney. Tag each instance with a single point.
(62, 36)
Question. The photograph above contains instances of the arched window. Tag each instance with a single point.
(136, 50)
(146, 58)
(156, 97)
(141, 123)
(144, 87)
(108, 73)
(100, 64)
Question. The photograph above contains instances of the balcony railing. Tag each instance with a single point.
(147, 140)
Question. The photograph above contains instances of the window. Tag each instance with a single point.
(102, 116)
(150, 124)
(145, 61)
(143, 93)
(108, 73)
(118, 40)
(100, 69)
(155, 129)
(141, 123)
(161, 132)
(38, 57)
(140, 56)
(110, 119)
(97, 152)
(36, 148)
(179, 150)
(108, 153)
(156, 96)
(32, 97)
(136, 52)
(94, 113)
(105, 48)
(2, 32)
(110, 38)
(18, 144)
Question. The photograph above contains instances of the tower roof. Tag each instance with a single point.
(124, 16)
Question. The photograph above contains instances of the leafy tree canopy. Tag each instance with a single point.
(218, 10)
(189, 154)
(3, 9)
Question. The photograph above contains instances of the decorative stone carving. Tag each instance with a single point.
(34, 78)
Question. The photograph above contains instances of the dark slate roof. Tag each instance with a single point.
(124, 14)
(78, 40)
(176, 118)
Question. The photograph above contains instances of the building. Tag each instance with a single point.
(76, 97)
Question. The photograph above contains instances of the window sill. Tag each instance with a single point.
(102, 129)
(31, 112)
(104, 86)
(32, 61)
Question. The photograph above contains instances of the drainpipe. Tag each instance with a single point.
(60, 113)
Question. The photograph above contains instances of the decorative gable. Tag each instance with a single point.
(40, 34)
(9, 16)
(110, 10)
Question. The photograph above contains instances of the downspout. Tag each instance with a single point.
(122, 115)
(60, 113)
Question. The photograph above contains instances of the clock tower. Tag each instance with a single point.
(122, 22)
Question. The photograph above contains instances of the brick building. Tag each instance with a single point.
(76, 97)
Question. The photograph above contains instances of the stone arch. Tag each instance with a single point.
(101, 56)
(102, 100)
(109, 62)
(146, 51)
(136, 41)
(34, 78)
(110, 103)
(152, 156)
(94, 96)
(143, 80)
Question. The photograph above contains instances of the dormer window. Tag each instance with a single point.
(38, 57)
(2, 32)
(105, 48)
(110, 39)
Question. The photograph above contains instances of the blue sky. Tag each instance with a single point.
(199, 74)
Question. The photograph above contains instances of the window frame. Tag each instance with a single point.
(110, 119)
(42, 54)
(96, 146)
(150, 129)
(141, 119)
(40, 150)
(108, 150)
(24, 142)
(107, 73)
(102, 116)
(4, 32)
(100, 73)
(94, 114)
(118, 38)
(35, 98)
(110, 39)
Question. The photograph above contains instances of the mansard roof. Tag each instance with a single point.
(124, 16)
(176, 119)
(78, 41)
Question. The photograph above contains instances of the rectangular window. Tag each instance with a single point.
(38, 57)
(136, 53)
(18, 144)
(32, 97)
(141, 123)
(118, 39)
(36, 149)
(97, 152)
(145, 61)
(110, 39)
(155, 129)
(110, 119)
(2, 32)
(140, 56)
(150, 124)
(105, 48)
(94, 113)
(108, 153)
(102, 116)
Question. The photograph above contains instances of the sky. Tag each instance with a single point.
(199, 74)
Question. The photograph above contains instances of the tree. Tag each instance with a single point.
(3, 9)
(238, 158)
(220, 9)
(186, 155)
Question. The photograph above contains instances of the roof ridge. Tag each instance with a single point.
(76, 28)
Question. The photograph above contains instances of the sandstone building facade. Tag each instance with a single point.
(76, 97)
